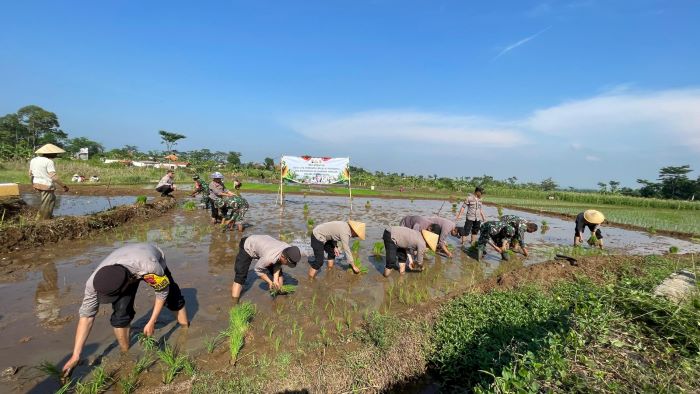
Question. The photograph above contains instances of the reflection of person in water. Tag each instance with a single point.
(47, 308)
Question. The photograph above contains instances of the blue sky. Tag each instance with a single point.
(579, 90)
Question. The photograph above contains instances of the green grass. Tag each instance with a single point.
(578, 336)
(380, 330)
(665, 216)
(239, 321)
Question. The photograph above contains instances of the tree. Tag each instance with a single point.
(234, 158)
(74, 145)
(269, 163)
(649, 189)
(614, 185)
(602, 187)
(170, 139)
(675, 182)
(41, 125)
(548, 184)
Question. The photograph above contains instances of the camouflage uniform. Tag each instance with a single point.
(520, 226)
(237, 207)
(203, 189)
(496, 231)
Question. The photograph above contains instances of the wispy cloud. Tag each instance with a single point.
(521, 42)
(539, 10)
(592, 158)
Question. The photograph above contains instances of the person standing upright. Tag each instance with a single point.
(42, 172)
(475, 214)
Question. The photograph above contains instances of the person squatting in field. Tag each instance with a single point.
(115, 281)
(591, 219)
(271, 254)
(325, 238)
(495, 233)
(201, 188)
(166, 185)
(475, 215)
(217, 191)
(236, 208)
(402, 244)
(521, 227)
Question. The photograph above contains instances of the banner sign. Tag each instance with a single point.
(315, 170)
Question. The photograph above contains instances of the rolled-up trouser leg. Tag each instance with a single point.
(48, 203)
(123, 308)
(390, 249)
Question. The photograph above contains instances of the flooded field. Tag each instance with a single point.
(39, 312)
(67, 204)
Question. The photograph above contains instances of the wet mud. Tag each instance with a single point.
(39, 312)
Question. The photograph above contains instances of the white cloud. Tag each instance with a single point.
(410, 126)
(521, 42)
(621, 119)
(592, 158)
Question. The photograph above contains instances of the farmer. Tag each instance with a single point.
(591, 219)
(521, 227)
(402, 243)
(166, 184)
(115, 281)
(271, 255)
(42, 173)
(447, 227)
(201, 188)
(475, 214)
(420, 223)
(496, 233)
(325, 237)
(217, 191)
(236, 208)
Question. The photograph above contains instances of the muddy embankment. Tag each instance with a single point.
(403, 366)
(32, 233)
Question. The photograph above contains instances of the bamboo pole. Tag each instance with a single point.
(281, 193)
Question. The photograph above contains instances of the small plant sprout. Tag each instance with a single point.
(363, 268)
(300, 334)
(98, 383)
(278, 342)
(339, 326)
(544, 223)
(50, 370)
(306, 208)
(131, 382)
(499, 209)
(300, 304)
(141, 200)
(210, 343)
(239, 320)
(378, 249)
(355, 246)
(673, 249)
(189, 206)
(286, 289)
(310, 222)
(270, 330)
(313, 300)
(174, 363)
(149, 343)
(368, 205)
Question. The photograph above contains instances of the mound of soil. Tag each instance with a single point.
(36, 233)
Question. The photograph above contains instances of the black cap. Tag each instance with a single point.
(108, 283)
(293, 255)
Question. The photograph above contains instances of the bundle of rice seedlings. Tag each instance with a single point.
(355, 246)
(189, 206)
(238, 323)
(593, 240)
(50, 370)
(99, 383)
(286, 289)
(363, 268)
(378, 249)
(141, 200)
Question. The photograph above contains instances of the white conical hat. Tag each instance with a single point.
(593, 216)
(358, 228)
(49, 148)
(431, 239)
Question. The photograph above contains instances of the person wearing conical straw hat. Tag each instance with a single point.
(325, 237)
(42, 172)
(401, 244)
(591, 219)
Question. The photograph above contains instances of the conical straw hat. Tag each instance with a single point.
(358, 228)
(593, 216)
(49, 148)
(431, 239)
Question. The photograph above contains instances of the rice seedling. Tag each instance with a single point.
(284, 359)
(378, 249)
(174, 363)
(239, 319)
(210, 343)
(270, 331)
(306, 209)
(368, 205)
(313, 300)
(339, 326)
(189, 206)
(278, 342)
(355, 246)
(50, 370)
(65, 388)
(98, 383)
(317, 319)
(544, 223)
(285, 289)
(499, 209)
(300, 304)
(310, 222)
(454, 207)
(360, 266)
(331, 314)
(300, 335)
(141, 200)
(131, 382)
(593, 240)
(348, 318)
(673, 249)
(148, 343)
(333, 301)
(651, 230)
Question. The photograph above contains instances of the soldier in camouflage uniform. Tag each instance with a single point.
(237, 208)
(203, 189)
(521, 227)
(494, 233)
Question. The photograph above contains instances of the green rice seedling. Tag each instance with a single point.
(131, 382)
(331, 314)
(544, 223)
(593, 240)
(189, 206)
(286, 289)
(378, 249)
(295, 326)
(333, 301)
(284, 359)
(50, 370)
(98, 383)
(673, 249)
(500, 211)
(239, 320)
(348, 318)
(148, 343)
(454, 207)
(317, 319)
(278, 342)
(306, 209)
(65, 388)
(210, 343)
(313, 300)
(339, 326)
(355, 246)
(368, 205)
(651, 230)
(141, 200)
(300, 304)
(174, 363)
(360, 266)
(279, 308)
(270, 330)
(300, 334)
(310, 222)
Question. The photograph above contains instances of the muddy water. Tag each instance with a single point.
(79, 205)
(38, 313)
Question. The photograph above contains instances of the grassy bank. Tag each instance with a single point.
(577, 336)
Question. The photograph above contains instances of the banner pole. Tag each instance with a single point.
(350, 184)
(281, 192)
